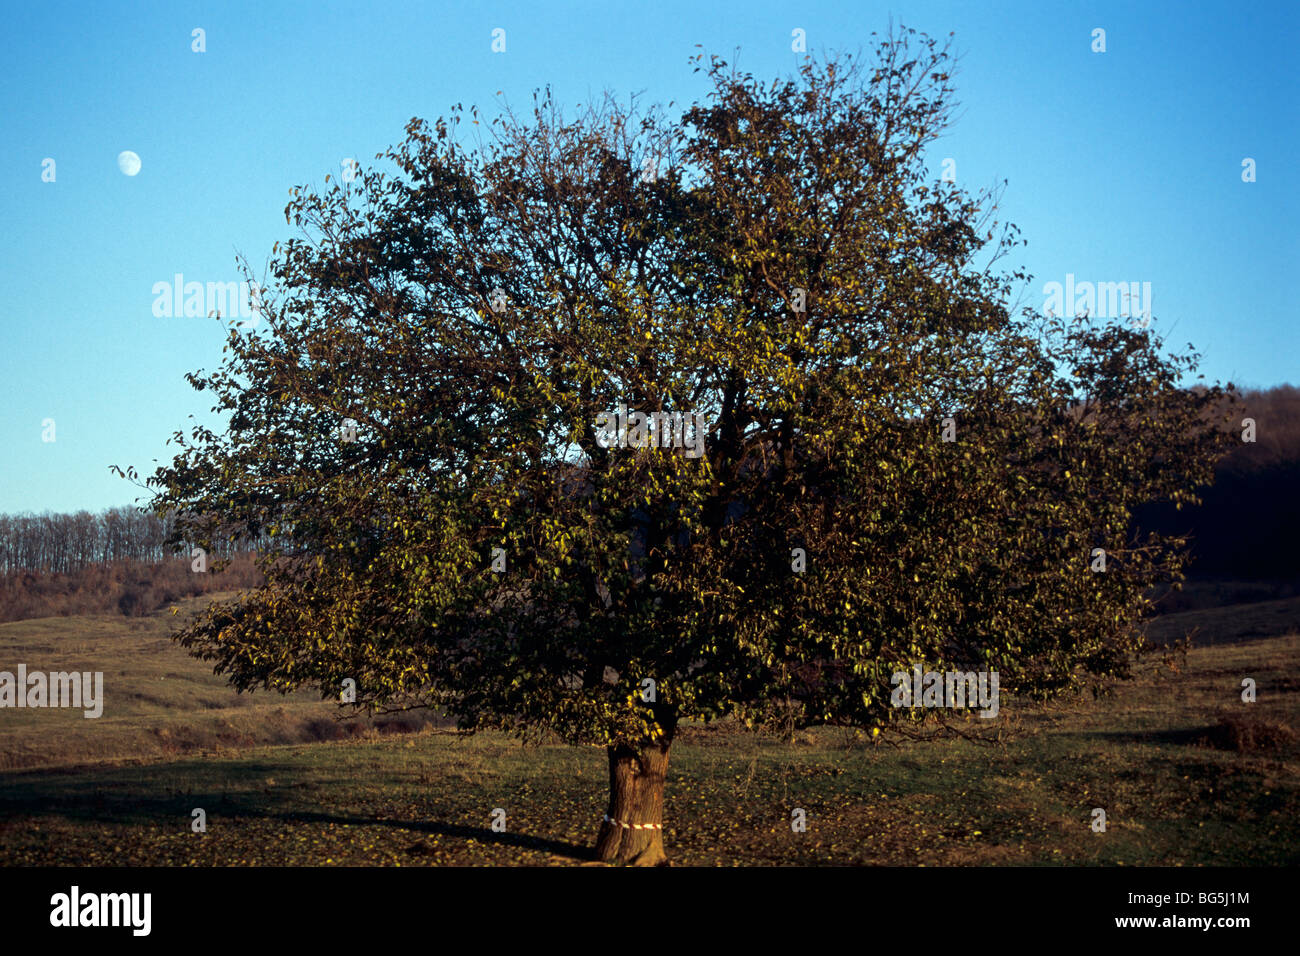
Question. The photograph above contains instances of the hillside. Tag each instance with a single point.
(160, 701)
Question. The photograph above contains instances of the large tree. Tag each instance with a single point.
(422, 423)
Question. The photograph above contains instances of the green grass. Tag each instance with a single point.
(110, 791)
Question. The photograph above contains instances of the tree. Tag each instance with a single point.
(421, 428)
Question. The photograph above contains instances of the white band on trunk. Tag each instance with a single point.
(634, 826)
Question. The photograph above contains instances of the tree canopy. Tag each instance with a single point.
(896, 467)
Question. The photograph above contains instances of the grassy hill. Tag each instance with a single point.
(159, 701)
(1187, 773)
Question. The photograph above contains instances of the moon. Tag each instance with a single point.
(128, 162)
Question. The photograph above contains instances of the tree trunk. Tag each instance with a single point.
(632, 831)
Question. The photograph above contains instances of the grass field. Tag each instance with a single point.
(1186, 772)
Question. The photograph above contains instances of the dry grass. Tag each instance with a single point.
(1227, 625)
(159, 701)
(1187, 773)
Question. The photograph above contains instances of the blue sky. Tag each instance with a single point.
(1121, 166)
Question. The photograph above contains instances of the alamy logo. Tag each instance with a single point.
(55, 689)
(1103, 300)
(194, 300)
(950, 689)
(625, 428)
(102, 909)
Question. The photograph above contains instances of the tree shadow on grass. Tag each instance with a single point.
(135, 795)
(151, 794)
(481, 834)
(94, 804)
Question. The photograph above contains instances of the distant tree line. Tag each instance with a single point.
(52, 543)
